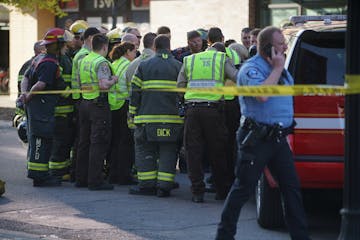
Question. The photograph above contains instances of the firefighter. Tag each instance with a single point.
(158, 125)
(77, 28)
(114, 39)
(43, 75)
(121, 150)
(148, 52)
(94, 116)
(63, 138)
(204, 121)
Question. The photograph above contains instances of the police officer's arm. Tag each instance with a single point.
(181, 80)
(106, 80)
(277, 61)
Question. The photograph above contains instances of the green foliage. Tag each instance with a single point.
(28, 6)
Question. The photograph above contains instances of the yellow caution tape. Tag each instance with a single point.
(351, 86)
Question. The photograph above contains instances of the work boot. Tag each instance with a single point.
(48, 182)
(163, 193)
(198, 198)
(136, 190)
(176, 185)
(102, 186)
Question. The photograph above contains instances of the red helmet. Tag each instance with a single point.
(53, 35)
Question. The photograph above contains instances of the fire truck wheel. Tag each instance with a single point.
(269, 211)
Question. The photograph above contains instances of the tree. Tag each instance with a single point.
(28, 6)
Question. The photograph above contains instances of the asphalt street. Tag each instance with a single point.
(67, 212)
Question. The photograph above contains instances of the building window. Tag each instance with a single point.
(277, 12)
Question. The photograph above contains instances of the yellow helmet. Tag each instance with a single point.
(114, 35)
(79, 26)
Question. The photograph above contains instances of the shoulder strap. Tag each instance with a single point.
(46, 59)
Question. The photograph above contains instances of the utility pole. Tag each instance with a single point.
(114, 13)
(350, 223)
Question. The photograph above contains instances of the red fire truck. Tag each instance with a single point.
(316, 55)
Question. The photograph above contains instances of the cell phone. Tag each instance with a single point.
(267, 50)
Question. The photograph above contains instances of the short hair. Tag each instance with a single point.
(219, 46)
(193, 34)
(91, 31)
(129, 37)
(38, 47)
(119, 50)
(163, 30)
(229, 41)
(162, 42)
(130, 29)
(148, 39)
(246, 30)
(98, 41)
(255, 31)
(215, 35)
(265, 37)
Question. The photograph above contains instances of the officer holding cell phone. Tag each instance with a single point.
(265, 123)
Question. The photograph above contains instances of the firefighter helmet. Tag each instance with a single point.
(114, 35)
(54, 35)
(79, 26)
(22, 132)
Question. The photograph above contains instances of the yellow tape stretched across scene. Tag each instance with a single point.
(351, 86)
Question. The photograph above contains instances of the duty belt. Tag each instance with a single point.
(265, 131)
(203, 104)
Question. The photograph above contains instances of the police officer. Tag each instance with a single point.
(204, 120)
(84, 51)
(158, 126)
(95, 116)
(60, 163)
(75, 85)
(262, 139)
(231, 104)
(43, 75)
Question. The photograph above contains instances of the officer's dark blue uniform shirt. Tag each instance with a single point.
(276, 109)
